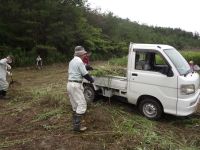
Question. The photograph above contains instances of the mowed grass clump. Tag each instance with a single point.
(115, 67)
(142, 133)
(109, 69)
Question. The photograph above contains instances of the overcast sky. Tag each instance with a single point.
(184, 14)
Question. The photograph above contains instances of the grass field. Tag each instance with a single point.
(38, 116)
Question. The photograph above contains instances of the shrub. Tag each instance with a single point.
(28, 58)
(49, 54)
(192, 55)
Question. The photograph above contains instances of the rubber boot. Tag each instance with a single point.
(82, 121)
(3, 95)
(77, 123)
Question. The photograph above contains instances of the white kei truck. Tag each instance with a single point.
(158, 80)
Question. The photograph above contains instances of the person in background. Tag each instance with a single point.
(191, 63)
(76, 72)
(86, 61)
(4, 67)
(39, 62)
(193, 66)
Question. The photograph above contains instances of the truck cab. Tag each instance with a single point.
(159, 80)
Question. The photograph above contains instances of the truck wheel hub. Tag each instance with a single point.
(88, 94)
(149, 110)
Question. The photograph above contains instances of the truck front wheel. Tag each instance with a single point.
(89, 93)
(150, 108)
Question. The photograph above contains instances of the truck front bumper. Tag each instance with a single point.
(189, 105)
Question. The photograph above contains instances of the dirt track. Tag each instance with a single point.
(38, 116)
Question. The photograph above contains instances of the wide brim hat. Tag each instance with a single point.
(79, 51)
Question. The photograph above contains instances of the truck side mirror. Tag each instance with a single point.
(169, 72)
(166, 70)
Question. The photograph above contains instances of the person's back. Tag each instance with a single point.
(4, 67)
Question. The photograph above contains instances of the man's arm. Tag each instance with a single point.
(85, 73)
(8, 66)
(89, 78)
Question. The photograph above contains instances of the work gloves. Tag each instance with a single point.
(88, 67)
(89, 78)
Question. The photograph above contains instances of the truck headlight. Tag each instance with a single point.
(187, 89)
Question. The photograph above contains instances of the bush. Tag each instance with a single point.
(49, 54)
(192, 55)
(21, 57)
(24, 58)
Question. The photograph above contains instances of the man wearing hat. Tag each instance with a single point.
(4, 67)
(76, 73)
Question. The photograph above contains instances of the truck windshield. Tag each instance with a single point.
(178, 60)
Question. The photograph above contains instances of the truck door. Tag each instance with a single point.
(151, 75)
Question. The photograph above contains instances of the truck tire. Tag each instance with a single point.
(151, 108)
(89, 93)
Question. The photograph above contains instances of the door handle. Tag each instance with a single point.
(134, 74)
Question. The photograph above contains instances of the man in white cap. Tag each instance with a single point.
(39, 62)
(76, 73)
(193, 66)
(4, 67)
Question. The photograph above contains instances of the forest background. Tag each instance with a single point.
(52, 28)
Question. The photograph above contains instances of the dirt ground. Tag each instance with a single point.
(38, 116)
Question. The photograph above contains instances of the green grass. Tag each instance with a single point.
(119, 61)
(108, 69)
(145, 130)
(192, 55)
(48, 114)
(148, 133)
(41, 107)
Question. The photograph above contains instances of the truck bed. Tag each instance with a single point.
(113, 82)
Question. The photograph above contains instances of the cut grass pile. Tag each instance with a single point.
(108, 69)
(114, 67)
